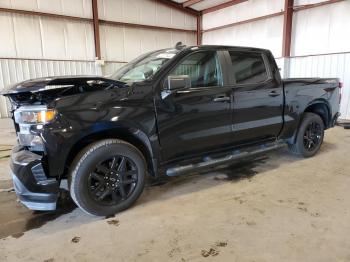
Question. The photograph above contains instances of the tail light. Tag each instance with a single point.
(340, 88)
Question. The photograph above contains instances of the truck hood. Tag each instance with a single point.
(58, 82)
(48, 88)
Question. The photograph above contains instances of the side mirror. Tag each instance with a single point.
(179, 82)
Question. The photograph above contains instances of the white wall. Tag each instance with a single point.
(24, 36)
(264, 33)
(122, 43)
(79, 8)
(240, 12)
(146, 12)
(321, 30)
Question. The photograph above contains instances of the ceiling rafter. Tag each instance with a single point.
(191, 2)
(222, 6)
(179, 7)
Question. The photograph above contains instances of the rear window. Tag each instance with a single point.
(248, 67)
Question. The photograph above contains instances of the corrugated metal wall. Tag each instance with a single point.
(264, 33)
(320, 30)
(121, 43)
(32, 46)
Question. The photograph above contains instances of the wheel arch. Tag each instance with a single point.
(320, 107)
(132, 135)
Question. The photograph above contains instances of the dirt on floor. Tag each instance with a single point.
(275, 208)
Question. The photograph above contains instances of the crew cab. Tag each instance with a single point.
(167, 113)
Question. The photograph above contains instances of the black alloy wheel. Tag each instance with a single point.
(113, 180)
(107, 177)
(309, 137)
(312, 136)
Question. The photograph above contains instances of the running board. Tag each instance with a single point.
(236, 155)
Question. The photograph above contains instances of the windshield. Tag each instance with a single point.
(144, 67)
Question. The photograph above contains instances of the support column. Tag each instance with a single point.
(199, 29)
(96, 29)
(287, 28)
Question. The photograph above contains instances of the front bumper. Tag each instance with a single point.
(33, 188)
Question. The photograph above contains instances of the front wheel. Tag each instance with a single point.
(310, 136)
(107, 177)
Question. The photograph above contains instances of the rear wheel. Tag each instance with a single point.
(107, 177)
(310, 136)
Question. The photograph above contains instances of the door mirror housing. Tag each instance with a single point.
(178, 82)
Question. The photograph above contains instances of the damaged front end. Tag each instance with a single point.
(34, 115)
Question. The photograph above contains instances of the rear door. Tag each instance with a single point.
(257, 97)
(198, 119)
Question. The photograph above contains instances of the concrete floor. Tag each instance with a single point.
(276, 208)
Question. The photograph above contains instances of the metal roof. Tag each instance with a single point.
(207, 5)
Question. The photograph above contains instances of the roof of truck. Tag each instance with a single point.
(225, 47)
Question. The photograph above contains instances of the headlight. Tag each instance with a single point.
(34, 115)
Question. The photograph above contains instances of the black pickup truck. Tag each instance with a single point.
(168, 112)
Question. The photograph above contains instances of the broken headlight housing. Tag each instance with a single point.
(27, 117)
(37, 115)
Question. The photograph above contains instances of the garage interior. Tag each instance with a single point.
(277, 207)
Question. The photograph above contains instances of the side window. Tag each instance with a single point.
(203, 68)
(248, 67)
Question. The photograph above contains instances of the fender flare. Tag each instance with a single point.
(122, 130)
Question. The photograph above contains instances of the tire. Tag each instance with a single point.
(306, 137)
(107, 177)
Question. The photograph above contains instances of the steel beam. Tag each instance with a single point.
(96, 29)
(178, 7)
(146, 26)
(222, 6)
(244, 21)
(191, 2)
(25, 12)
(199, 30)
(308, 6)
(17, 11)
(287, 27)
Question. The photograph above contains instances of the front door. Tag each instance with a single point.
(198, 119)
(257, 98)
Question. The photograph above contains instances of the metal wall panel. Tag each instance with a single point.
(147, 12)
(120, 43)
(79, 8)
(240, 12)
(322, 30)
(265, 33)
(25, 36)
(13, 71)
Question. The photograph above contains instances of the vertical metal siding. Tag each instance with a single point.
(15, 70)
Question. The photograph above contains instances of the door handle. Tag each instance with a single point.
(274, 94)
(222, 99)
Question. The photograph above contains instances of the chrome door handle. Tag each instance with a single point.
(274, 94)
(222, 99)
